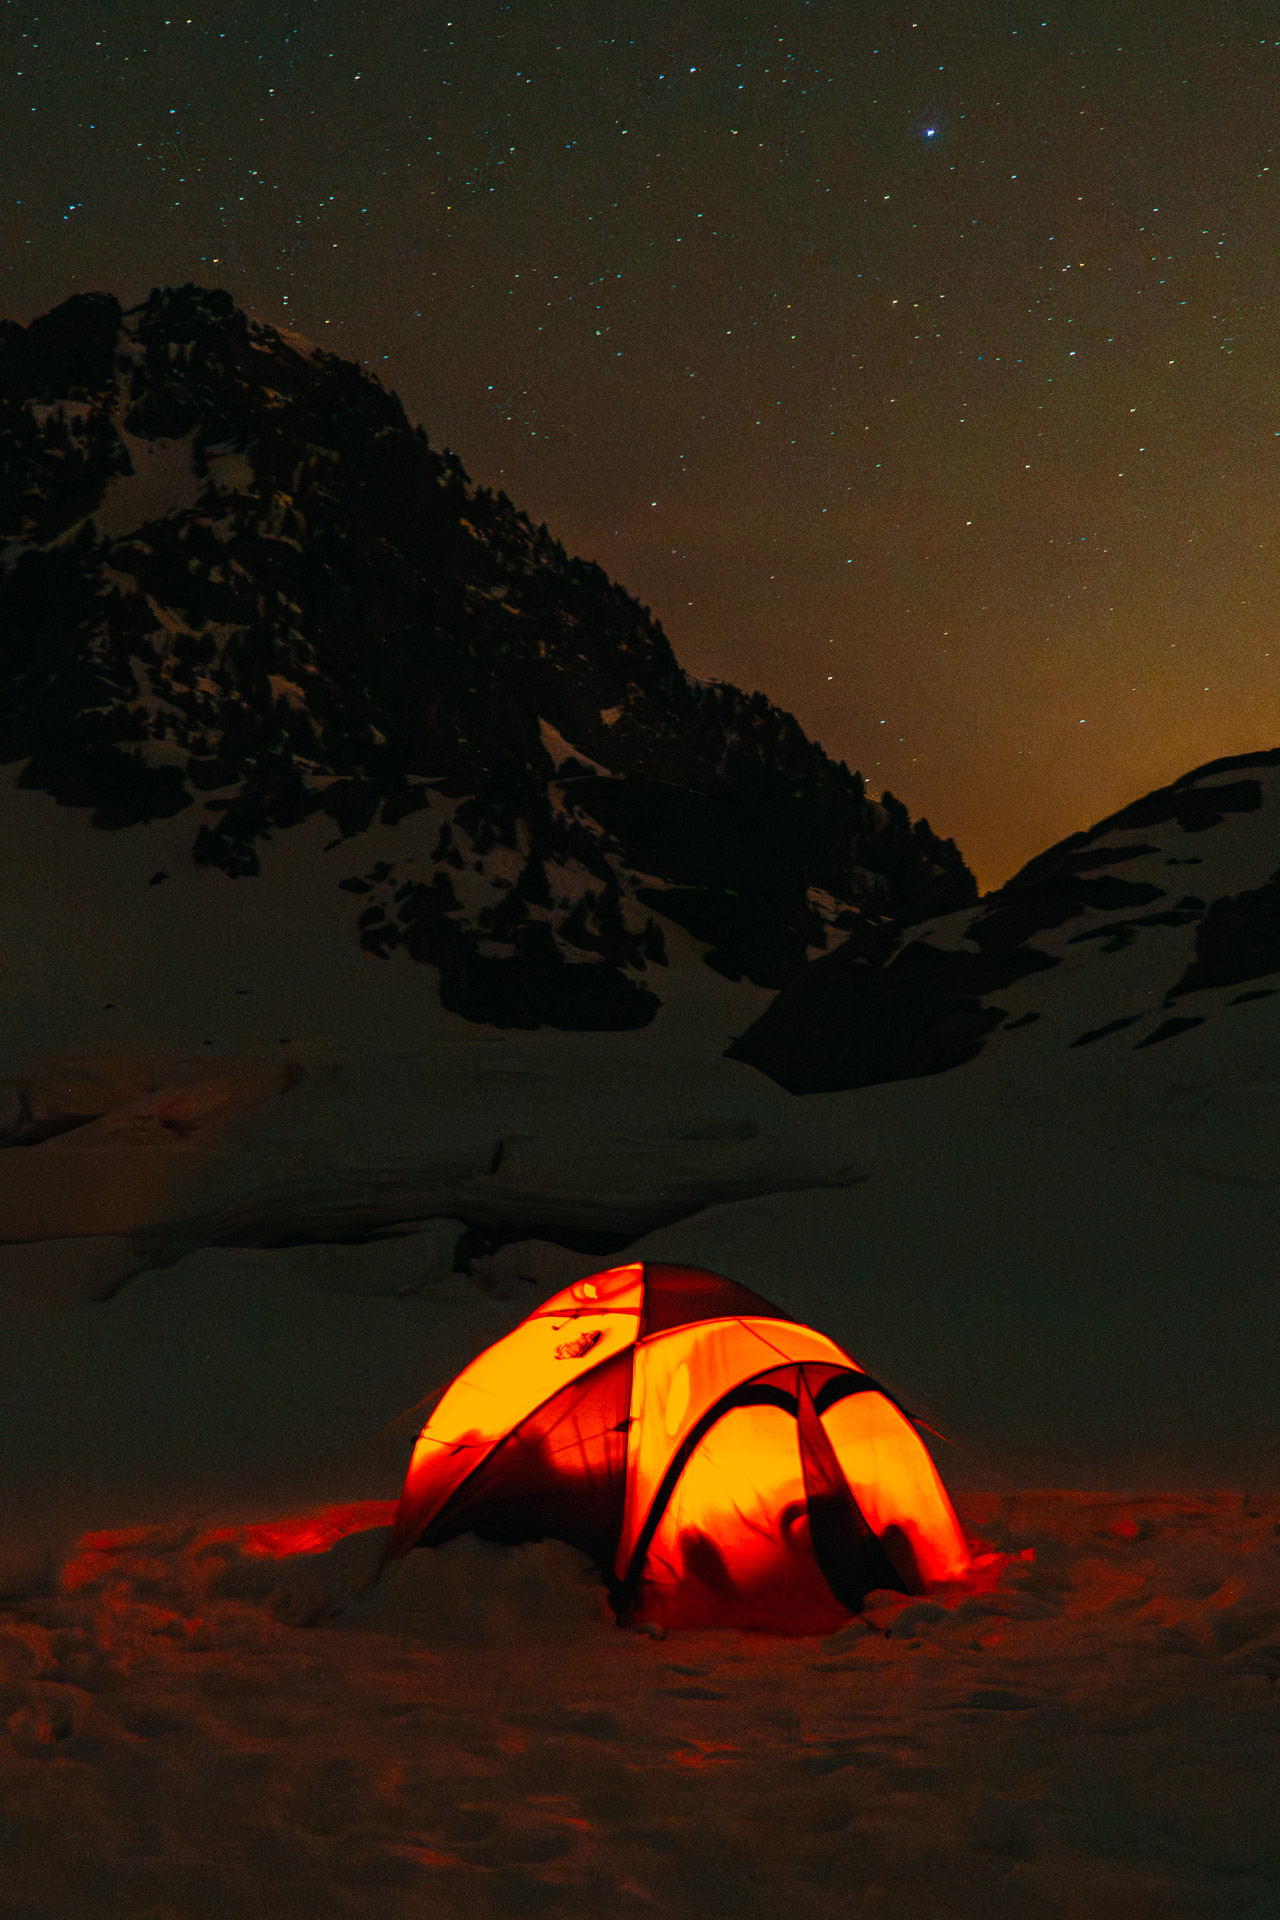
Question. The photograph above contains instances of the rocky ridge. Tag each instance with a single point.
(236, 582)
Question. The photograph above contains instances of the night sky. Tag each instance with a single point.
(917, 365)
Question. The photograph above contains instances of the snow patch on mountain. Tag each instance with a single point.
(162, 481)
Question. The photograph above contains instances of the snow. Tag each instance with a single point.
(198, 958)
(228, 1288)
(1086, 1732)
(163, 482)
(562, 750)
(262, 1196)
(230, 473)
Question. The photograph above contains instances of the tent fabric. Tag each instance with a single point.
(559, 1474)
(896, 1486)
(678, 1376)
(568, 1336)
(677, 1296)
(724, 1464)
(733, 1546)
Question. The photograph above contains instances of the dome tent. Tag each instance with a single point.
(724, 1465)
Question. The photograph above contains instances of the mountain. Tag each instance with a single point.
(1125, 936)
(290, 1125)
(238, 588)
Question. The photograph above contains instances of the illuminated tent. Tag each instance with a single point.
(724, 1465)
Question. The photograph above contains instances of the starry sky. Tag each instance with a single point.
(918, 365)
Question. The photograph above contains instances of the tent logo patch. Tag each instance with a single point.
(574, 1349)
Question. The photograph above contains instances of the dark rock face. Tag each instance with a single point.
(1103, 1033)
(1170, 1029)
(327, 617)
(845, 1022)
(1238, 940)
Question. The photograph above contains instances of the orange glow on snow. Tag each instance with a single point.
(315, 1532)
(105, 1553)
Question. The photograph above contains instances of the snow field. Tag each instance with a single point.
(1086, 1731)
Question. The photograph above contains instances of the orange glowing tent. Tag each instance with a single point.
(724, 1465)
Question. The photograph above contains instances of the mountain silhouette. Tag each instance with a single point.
(235, 581)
